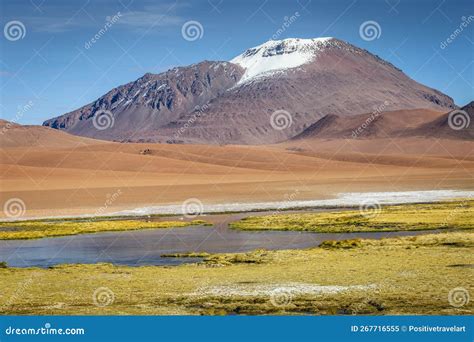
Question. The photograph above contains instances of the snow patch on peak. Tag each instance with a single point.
(278, 55)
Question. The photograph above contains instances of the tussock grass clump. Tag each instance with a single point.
(345, 244)
(447, 215)
(255, 257)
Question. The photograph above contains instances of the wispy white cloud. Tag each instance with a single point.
(145, 20)
(5, 73)
(54, 24)
(159, 15)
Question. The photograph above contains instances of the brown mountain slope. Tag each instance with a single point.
(342, 80)
(15, 135)
(457, 124)
(310, 79)
(151, 102)
(370, 125)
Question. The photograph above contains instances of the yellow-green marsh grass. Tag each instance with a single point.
(408, 275)
(41, 228)
(447, 215)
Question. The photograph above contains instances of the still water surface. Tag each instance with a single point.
(146, 247)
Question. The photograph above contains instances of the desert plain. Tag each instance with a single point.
(59, 174)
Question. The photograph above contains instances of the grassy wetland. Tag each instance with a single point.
(424, 274)
(37, 229)
(448, 215)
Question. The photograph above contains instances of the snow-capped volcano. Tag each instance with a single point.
(278, 55)
(233, 102)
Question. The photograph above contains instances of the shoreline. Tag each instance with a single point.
(349, 200)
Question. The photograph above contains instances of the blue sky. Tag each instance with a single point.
(47, 70)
